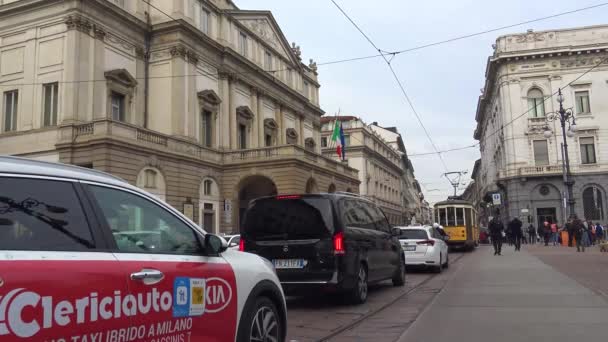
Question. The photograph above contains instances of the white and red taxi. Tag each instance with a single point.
(86, 257)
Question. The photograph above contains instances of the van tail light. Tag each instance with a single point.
(339, 244)
(426, 242)
(242, 245)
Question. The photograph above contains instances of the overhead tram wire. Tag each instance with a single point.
(401, 87)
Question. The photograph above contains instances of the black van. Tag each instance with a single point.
(324, 241)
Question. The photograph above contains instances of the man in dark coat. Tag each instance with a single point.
(516, 232)
(578, 229)
(570, 230)
(532, 234)
(496, 228)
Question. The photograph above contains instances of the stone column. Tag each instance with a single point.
(100, 91)
(223, 127)
(300, 127)
(232, 113)
(28, 94)
(75, 25)
(178, 99)
(278, 114)
(260, 111)
(253, 103)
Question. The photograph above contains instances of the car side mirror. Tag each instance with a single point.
(446, 238)
(395, 231)
(214, 245)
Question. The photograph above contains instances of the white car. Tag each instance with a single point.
(86, 256)
(424, 246)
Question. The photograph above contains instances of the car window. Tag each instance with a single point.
(380, 220)
(45, 215)
(354, 214)
(141, 226)
(413, 234)
(289, 219)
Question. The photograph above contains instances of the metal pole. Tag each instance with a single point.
(569, 182)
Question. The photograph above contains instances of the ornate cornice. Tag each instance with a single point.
(99, 32)
(79, 23)
(183, 52)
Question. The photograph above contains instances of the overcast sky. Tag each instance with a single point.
(443, 81)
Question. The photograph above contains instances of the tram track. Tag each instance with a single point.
(353, 324)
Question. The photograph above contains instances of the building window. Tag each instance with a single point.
(324, 142)
(150, 179)
(242, 136)
(346, 140)
(582, 102)
(541, 152)
(536, 103)
(593, 204)
(587, 150)
(11, 99)
(50, 91)
(205, 21)
(206, 128)
(117, 102)
(207, 186)
(243, 44)
(267, 61)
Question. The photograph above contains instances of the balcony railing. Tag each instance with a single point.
(155, 140)
(550, 170)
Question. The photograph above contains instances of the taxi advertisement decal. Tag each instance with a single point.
(180, 309)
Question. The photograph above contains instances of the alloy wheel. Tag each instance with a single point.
(265, 327)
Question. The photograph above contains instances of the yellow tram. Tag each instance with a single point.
(459, 220)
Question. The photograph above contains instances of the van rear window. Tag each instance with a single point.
(289, 219)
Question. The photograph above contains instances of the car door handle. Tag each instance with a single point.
(148, 275)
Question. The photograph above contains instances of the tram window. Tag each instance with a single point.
(460, 216)
(442, 217)
(451, 217)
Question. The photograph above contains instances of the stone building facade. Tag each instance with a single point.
(202, 103)
(385, 173)
(517, 160)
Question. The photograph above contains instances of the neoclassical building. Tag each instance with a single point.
(517, 160)
(197, 101)
(386, 174)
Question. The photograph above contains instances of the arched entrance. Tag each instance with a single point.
(593, 203)
(311, 186)
(332, 188)
(251, 188)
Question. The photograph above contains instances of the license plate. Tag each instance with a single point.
(289, 263)
(409, 248)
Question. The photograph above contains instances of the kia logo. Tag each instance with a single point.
(219, 294)
(285, 249)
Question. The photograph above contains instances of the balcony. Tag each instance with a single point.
(550, 170)
(132, 134)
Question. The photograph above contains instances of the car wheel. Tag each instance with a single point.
(261, 322)
(358, 294)
(399, 278)
(438, 268)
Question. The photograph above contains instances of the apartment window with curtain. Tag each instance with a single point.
(206, 21)
(50, 93)
(587, 150)
(324, 142)
(11, 100)
(117, 101)
(267, 60)
(541, 152)
(536, 103)
(243, 44)
(582, 102)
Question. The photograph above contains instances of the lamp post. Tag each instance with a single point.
(564, 116)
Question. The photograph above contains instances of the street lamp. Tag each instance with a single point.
(564, 116)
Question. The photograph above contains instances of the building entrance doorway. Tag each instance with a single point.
(546, 214)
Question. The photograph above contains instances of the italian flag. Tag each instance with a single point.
(338, 138)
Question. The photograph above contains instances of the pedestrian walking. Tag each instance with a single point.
(570, 230)
(532, 234)
(579, 233)
(509, 235)
(496, 229)
(516, 232)
(554, 233)
(599, 232)
(546, 232)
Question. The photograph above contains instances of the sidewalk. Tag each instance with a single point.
(513, 297)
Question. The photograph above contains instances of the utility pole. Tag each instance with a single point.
(454, 178)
